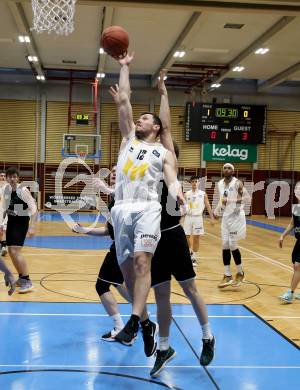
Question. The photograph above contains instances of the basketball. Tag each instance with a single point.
(115, 41)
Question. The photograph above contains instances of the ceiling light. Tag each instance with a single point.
(179, 54)
(100, 75)
(41, 78)
(24, 38)
(238, 68)
(32, 59)
(101, 50)
(262, 50)
(216, 85)
(165, 78)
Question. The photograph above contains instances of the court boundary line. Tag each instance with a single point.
(272, 327)
(106, 315)
(195, 353)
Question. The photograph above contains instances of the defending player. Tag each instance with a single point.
(289, 296)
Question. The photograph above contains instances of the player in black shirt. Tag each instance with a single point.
(21, 211)
(290, 295)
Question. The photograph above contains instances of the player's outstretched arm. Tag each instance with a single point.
(170, 178)
(287, 231)
(101, 231)
(164, 114)
(125, 110)
(208, 208)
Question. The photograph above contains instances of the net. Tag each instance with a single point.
(53, 16)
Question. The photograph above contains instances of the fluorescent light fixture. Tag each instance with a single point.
(41, 78)
(262, 50)
(179, 54)
(101, 50)
(100, 75)
(24, 38)
(216, 85)
(33, 59)
(238, 68)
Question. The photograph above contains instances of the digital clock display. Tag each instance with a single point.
(225, 123)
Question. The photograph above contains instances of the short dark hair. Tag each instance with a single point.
(194, 178)
(156, 120)
(12, 171)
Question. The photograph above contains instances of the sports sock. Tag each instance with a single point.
(206, 331)
(118, 322)
(164, 343)
(227, 270)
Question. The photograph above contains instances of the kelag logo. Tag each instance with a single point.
(230, 153)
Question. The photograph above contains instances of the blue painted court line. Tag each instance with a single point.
(52, 345)
(267, 226)
(69, 242)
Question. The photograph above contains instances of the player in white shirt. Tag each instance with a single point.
(196, 201)
(3, 183)
(233, 227)
(142, 163)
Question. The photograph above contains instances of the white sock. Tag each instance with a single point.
(118, 322)
(239, 268)
(227, 270)
(206, 331)
(164, 343)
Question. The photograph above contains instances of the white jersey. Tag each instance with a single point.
(139, 171)
(230, 191)
(195, 202)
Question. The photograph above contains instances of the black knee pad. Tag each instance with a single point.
(102, 287)
(226, 256)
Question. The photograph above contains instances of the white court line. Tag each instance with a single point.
(128, 315)
(104, 315)
(66, 366)
(261, 257)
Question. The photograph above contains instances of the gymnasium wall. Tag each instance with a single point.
(21, 122)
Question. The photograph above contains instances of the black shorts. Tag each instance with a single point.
(296, 252)
(17, 228)
(110, 270)
(172, 257)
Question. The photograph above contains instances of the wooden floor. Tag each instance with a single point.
(69, 275)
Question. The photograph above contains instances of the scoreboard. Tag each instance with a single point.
(225, 123)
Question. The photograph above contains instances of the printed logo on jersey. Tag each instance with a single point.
(135, 172)
(148, 240)
(131, 149)
(156, 154)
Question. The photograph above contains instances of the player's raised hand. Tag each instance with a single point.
(161, 82)
(114, 92)
(127, 60)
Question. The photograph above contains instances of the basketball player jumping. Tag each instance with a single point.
(289, 296)
(197, 201)
(136, 213)
(21, 212)
(233, 227)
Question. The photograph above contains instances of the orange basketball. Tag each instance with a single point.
(115, 41)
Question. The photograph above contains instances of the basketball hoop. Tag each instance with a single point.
(82, 155)
(53, 15)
